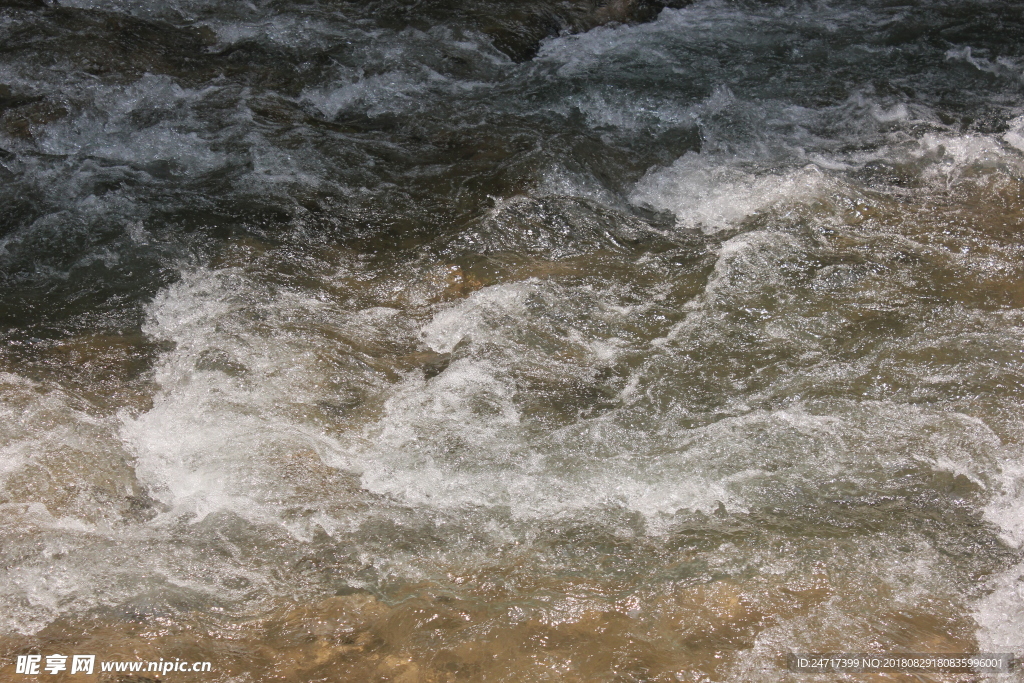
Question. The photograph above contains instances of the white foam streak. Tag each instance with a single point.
(705, 193)
(1000, 614)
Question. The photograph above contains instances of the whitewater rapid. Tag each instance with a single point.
(694, 340)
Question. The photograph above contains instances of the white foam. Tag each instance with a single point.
(959, 153)
(749, 263)
(216, 439)
(1000, 614)
(64, 480)
(1005, 509)
(400, 72)
(707, 192)
(391, 92)
(716, 193)
(1015, 135)
(560, 180)
(459, 439)
(46, 433)
(1006, 67)
(582, 53)
(115, 136)
(448, 327)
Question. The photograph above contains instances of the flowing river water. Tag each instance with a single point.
(492, 341)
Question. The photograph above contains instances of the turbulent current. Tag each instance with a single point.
(382, 340)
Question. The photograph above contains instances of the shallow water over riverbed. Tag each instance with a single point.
(425, 342)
